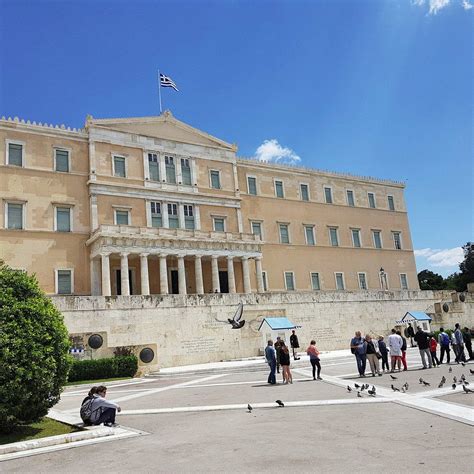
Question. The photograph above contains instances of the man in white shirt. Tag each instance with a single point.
(395, 343)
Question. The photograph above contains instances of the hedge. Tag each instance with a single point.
(121, 366)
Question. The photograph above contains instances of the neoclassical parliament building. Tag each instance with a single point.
(151, 205)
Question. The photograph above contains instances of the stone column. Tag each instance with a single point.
(144, 274)
(124, 274)
(95, 276)
(164, 213)
(105, 275)
(181, 215)
(197, 218)
(181, 276)
(246, 274)
(230, 274)
(215, 275)
(163, 275)
(258, 265)
(198, 272)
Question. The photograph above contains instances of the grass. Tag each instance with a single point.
(96, 381)
(42, 429)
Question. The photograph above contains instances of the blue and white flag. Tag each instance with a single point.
(166, 81)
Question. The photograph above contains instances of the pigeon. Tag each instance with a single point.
(465, 382)
(453, 386)
(450, 370)
(371, 393)
(455, 380)
(280, 403)
(356, 385)
(395, 389)
(420, 380)
(440, 385)
(426, 384)
(373, 388)
(405, 385)
(443, 379)
(236, 321)
(403, 390)
(249, 408)
(472, 371)
(359, 395)
(467, 390)
(463, 377)
(463, 364)
(393, 378)
(366, 386)
(349, 389)
(362, 388)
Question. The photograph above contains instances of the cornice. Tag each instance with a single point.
(39, 127)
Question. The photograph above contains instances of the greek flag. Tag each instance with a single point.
(166, 81)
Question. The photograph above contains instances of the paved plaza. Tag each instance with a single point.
(197, 420)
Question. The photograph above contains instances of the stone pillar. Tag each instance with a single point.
(258, 265)
(124, 274)
(246, 274)
(215, 275)
(164, 213)
(181, 276)
(197, 218)
(230, 274)
(181, 215)
(163, 275)
(95, 276)
(198, 272)
(105, 275)
(144, 274)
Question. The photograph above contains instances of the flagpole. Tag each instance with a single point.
(159, 89)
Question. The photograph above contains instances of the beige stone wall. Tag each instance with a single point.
(108, 204)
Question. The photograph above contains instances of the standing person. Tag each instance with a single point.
(278, 344)
(460, 357)
(443, 341)
(359, 349)
(404, 351)
(294, 344)
(466, 334)
(313, 353)
(103, 411)
(373, 355)
(395, 344)
(410, 333)
(422, 339)
(285, 364)
(433, 346)
(270, 357)
(384, 353)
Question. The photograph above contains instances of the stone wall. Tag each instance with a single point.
(192, 329)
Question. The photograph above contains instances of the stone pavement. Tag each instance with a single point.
(197, 420)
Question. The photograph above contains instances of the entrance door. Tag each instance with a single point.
(118, 281)
(223, 282)
(174, 282)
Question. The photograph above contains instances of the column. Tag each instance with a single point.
(163, 275)
(95, 276)
(181, 276)
(230, 274)
(124, 274)
(181, 215)
(94, 212)
(197, 218)
(198, 272)
(246, 274)
(164, 212)
(240, 225)
(105, 275)
(215, 275)
(258, 265)
(144, 274)
(162, 168)
(192, 163)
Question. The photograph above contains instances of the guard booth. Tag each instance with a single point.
(271, 328)
(417, 318)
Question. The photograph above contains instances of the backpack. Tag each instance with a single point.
(86, 410)
(444, 339)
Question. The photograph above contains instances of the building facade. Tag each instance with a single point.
(142, 206)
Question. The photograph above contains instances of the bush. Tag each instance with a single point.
(34, 345)
(121, 366)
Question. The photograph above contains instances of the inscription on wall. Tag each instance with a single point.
(199, 346)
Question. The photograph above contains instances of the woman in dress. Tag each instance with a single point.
(285, 363)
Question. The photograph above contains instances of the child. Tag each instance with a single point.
(383, 352)
(433, 346)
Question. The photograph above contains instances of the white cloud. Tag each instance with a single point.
(271, 150)
(418, 3)
(442, 257)
(437, 5)
(466, 5)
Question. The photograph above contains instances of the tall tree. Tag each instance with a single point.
(429, 280)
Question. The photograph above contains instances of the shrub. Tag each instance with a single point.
(34, 346)
(121, 366)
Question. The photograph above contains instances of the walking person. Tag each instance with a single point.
(460, 357)
(270, 357)
(313, 353)
(278, 344)
(384, 353)
(466, 334)
(433, 347)
(285, 364)
(443, 341)
(395, 344)
(422, 339)
(359, 349)
(373, 355)
(404, 351)
(103, 411)
(294, 344)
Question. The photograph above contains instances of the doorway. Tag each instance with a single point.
(118, 281)
(223, 281)
(174, 282)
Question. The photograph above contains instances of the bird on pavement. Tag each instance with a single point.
(362, 388)
(455, 380)
(403, 389)
(349, 389)
(359, 395)
(453, 386)
(280, 403)
(463, 377)
(450, 370)
(249, 408)
(405, 385)
(440, 385)
(371, 393)
(472, 371)
(443, 379)
(463, 364)
(392, 377)
(426, 384)
(420, 380)
(356, 385)
(395, 389)
(465, 382)
(467, 390)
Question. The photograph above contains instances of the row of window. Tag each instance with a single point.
(15, 156)
(15, 216)
(328, 197)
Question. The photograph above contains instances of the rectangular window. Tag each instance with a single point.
(371, 197)
(153, 167)
(279, 193)
(397, 240)
(403, 281)
(121, 217)
(219, 224)
(289, 281)
(333, 237)
(356, 237)
(173, 219)
(63, 219)
(15, 154)
(64, 282)
(186, 171)
(119, 166)
(328, 195)
(170, 170)
(315, 284)
(156, 216)
(391, 203)
(14, 215)
(61, 159)
(304, 192)
(339, 281)
(265, 281)
(309, 234)
(252, 185)
(188, 216)
(377, 239)
(257, 228)
(215, 179)
(362, 281)
(350, 198)
(284, 234)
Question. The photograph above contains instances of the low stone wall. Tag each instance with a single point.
(192, 329)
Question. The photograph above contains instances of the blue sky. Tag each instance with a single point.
(380, 88)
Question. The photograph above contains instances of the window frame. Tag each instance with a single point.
(171, 216)
(370, 193)
(160, 214)
(56, 280)
(168, 166)
(189, 218)
(365, 280)
(251, 176)
(211, 171)
(62, 148)
(337, 236)
(307, 190)
(122, 209)
(275, 181)
(71, 219)
(330, 195)
(373, 238)
(343, 281)
(224, 220)
(309, 226)
(117, 155)
(158, 165)
(23, 214)
(188, 160)
(9, 142)
(401, 281)
(288, 232)
(353, 197)
(355, 229)
(311, 281)
(260, 223)
(396, 232)
(392, 200)
(292, 273)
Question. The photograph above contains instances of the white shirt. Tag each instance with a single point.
(395, 343)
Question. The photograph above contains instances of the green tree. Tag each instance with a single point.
(429, 280)
(34, 344)
(458, 281)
